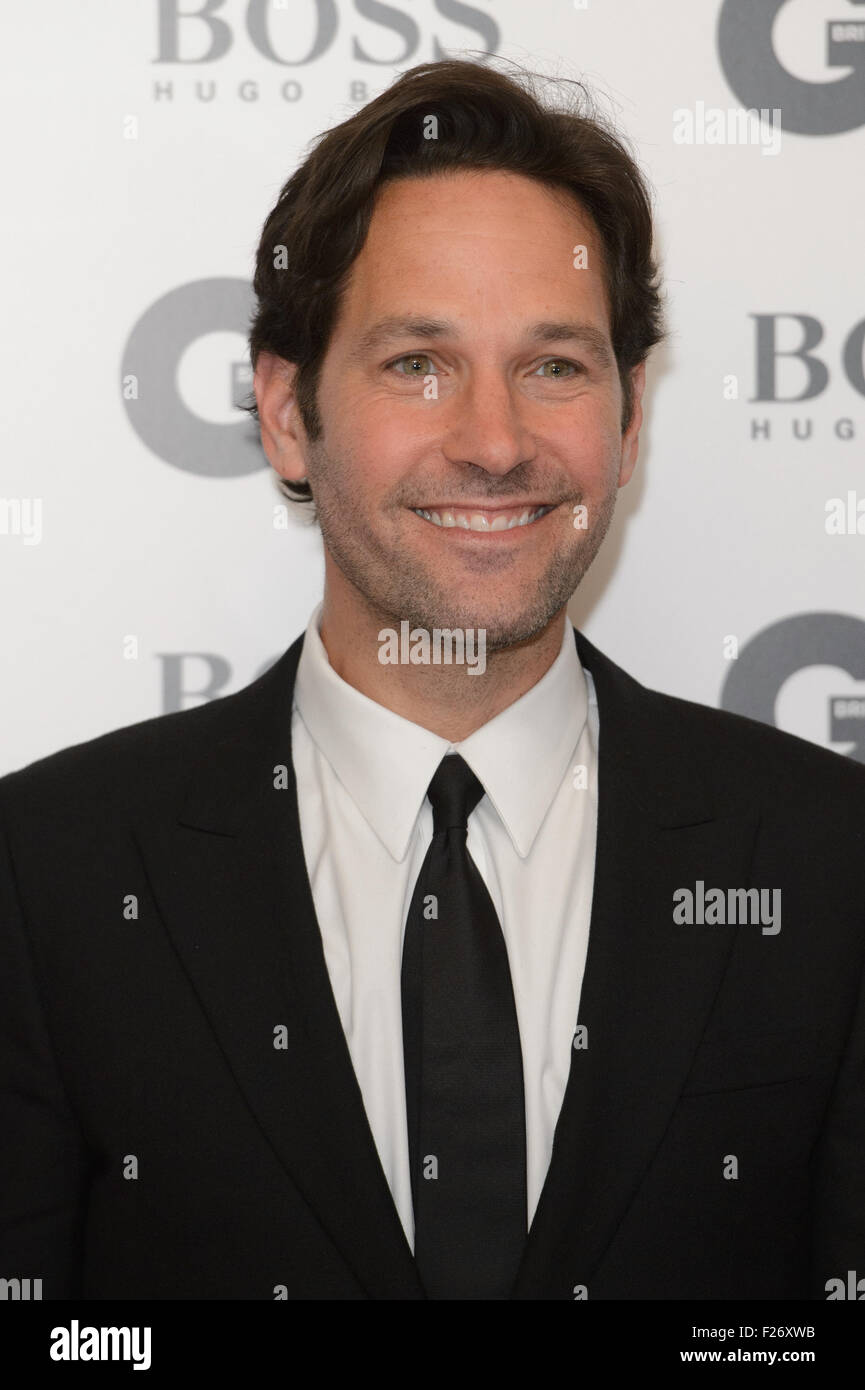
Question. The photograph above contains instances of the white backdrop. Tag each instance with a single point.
(143, 152)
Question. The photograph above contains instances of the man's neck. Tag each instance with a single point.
(447, 699)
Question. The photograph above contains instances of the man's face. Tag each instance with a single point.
(453, 386)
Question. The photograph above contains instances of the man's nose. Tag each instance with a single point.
(486, 424)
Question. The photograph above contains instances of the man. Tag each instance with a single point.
(394, 976)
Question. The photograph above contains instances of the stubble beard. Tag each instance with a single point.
(396, 587)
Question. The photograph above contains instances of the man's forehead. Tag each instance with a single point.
(462, 208)
(427, 257)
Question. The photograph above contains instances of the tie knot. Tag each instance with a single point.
(454, 792)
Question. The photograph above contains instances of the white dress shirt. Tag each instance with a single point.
(366, 824)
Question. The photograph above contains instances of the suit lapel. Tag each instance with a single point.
(649, 984)
(230, 880)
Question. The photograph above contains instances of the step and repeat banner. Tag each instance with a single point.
(148, 563)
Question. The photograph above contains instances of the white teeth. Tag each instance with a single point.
(478, 522)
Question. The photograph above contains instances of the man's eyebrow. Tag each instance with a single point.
(401, 326)
(547, 331)
(574, 331)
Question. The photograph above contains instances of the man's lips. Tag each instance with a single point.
(484, 519)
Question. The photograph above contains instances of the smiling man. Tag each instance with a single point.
(377, 981)
(456, 506)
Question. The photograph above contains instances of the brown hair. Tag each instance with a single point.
(486, 120)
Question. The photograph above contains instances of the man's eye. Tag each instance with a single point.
(559, 363)
(420, 364)
(416, 362)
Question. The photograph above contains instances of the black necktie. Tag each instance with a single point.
(463, 1064)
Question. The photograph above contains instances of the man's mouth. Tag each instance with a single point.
(482, 519)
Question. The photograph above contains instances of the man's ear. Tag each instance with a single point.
(283, 437)
(631, 436)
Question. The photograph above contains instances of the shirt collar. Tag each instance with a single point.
(386, 762)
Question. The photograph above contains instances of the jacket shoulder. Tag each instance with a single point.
(146, 760)
(729, 751)
(740, 749)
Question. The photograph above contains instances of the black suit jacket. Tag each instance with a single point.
(158, 927)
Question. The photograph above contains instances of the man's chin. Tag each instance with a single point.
(511, 635)
(501, 631)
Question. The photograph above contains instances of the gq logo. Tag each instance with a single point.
(151, 392)
(758, 79)
(780, 651)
